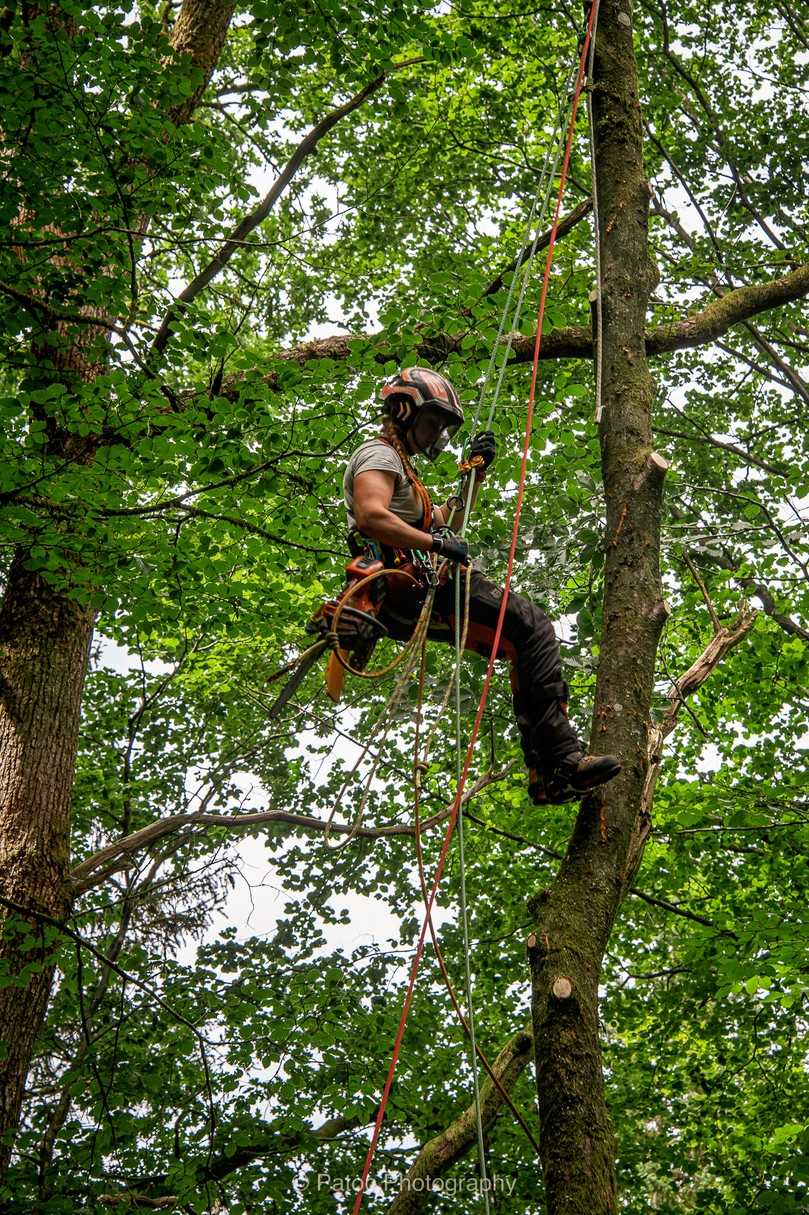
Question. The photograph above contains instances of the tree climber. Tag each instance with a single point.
(391, 513)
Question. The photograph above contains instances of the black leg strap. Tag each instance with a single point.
(551, 691)
(540, 695)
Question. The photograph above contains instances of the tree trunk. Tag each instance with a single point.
(44, 641)
(44, 644)
(575, 917)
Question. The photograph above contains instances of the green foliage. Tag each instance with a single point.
(193, 497)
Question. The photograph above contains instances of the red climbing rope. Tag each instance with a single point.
(499, 627)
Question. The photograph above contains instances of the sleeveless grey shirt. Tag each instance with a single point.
(377, 454)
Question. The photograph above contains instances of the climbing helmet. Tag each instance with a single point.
(419, 391)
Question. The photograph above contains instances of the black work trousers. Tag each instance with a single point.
(528, 640)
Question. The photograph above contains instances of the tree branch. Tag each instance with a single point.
(720, 288)
(730, 309)
(756, 588)
(434, 1159)
(450, 1145)
(665, 905)
(733, 448)
(274, 1142)
(106, 961)
(564, 226)
(717, 627)
(114, 856)
(196, 512)
(39, 308)
(251, 221)
(709, 659)
(719, 645)
(554, 853)
(573, 341)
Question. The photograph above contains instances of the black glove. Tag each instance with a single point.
(483, 444)
(451, 548)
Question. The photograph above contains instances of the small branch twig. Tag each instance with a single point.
(251, 221)
(719, 645)
(717, 627)
(760, 590)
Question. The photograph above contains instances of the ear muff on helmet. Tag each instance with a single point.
(401, 407)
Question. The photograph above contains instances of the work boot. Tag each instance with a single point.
(571, 778)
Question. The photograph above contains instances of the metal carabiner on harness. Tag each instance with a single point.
(424, 566)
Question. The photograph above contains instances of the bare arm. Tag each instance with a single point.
(373, 491)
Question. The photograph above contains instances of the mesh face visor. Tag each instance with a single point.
(445, 426)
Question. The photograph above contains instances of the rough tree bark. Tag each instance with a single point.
(44, 640)
(574, 917)
(44, 644)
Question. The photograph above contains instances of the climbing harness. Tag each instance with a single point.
(350, 624)
(383, 724)
(351, 629)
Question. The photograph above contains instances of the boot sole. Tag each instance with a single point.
(598, 778)
(572, 793)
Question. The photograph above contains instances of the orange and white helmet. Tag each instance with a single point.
(418, 390)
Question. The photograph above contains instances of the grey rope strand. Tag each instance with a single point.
(534, 223)
(550, 167)
(551, 164)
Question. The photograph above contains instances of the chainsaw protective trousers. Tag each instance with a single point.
(528, 640)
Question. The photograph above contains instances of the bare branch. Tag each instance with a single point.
(760, 590)
(685, 686)
(717, 627)
(564, 226)
(733, 448)
(683, 912)
(115, 856)
(708, 661)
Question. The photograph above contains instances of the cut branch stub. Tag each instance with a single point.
(654, 469)
(562, 988)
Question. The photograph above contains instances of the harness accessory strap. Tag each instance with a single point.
(542, 694)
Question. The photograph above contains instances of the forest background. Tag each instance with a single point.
(173, 441)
